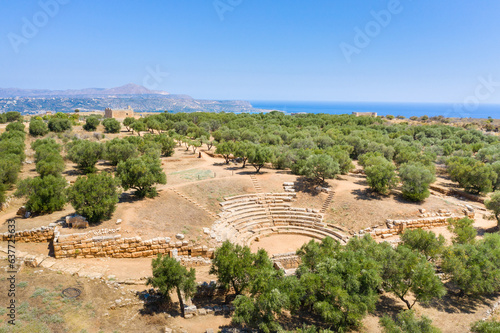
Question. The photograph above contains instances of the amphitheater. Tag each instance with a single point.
(246, 218)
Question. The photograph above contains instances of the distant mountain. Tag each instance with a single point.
(128, 89)
(137, 97)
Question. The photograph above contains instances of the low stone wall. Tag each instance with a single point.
(6, 204)
(425, 221)
(456, 193)
(35, 235)
(115, 246)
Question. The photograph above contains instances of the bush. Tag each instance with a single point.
(45, 195)
(94, 196)
(58, 125)
(9, 168)
(10, 116)
(486, 326)
(407, 322)
(17, 126)
(464, 231)
(38, 128)
(111, 125)
(51, 164)
(91, 124)
(13, 146)
(44, 147)
(85, 154)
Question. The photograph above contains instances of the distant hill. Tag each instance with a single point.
(137, 97)
(128, 89)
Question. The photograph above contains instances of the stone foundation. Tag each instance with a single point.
(35, 235)
(286, 261)
(115, 246)
(456, 193)
(425, 221)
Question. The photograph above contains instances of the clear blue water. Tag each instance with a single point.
(395, 109)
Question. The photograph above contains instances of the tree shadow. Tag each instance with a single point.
(387, 306)
(156, 303)
(306, 185)
(130, 197)
(302, 318)
(361, 181)
(74, 172)
(453, 303)
(50, 248)
(220, 164)
(366, 195)
(482, 231)
(250, 172)
(284, 172)
(398, 196)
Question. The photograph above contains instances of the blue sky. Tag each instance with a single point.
(427, 51)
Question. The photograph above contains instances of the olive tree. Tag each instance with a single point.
(127, 122)
(416, 179)
(494, 205)
(474, 268)
(405, 270)
(321, 167)
(225, 148)
(91, 124)
(94, 196)
(140, 174)
(381, 176)
(259, 156)
(85, 154)
(118, 150)
(38, 128)
(111, 125)
(57, 124)
(169, 274)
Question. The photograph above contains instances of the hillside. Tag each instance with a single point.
(141, 99)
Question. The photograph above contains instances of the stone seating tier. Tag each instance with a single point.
(314, 233)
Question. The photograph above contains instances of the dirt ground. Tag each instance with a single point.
(41, 307)
(276, 244)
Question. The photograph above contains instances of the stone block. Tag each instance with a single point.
(190, 309)
(77, 221)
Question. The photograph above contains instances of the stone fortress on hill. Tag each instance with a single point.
(120, 114)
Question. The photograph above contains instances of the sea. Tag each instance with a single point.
(482, 111)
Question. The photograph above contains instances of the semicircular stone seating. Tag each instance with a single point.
(247, 217)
